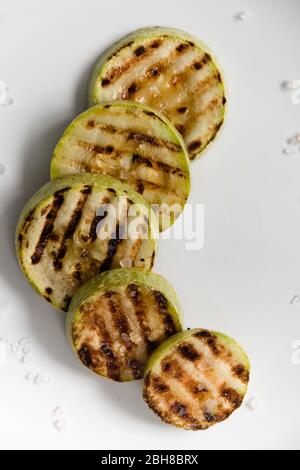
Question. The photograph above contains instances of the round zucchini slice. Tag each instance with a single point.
(171, 71)
(76, 227)
(133, 144)
(118, 318)
(196, 379)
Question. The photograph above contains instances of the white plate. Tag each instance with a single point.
(249, 269)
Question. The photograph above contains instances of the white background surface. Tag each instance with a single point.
(240, 283)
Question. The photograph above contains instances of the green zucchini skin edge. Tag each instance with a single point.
(99, 181)
(148, 32)
(116, 279)
(174, 340)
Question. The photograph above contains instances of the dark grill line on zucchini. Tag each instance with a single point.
(71, 228)
(118, 72)
(161, 304)
(48, 226)
(133, 293)
(124, 331)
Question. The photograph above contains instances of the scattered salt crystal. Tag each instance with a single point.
(126, 263)
(40, 379)
(60, 425)
(288, 151)
(29, 376)
(26, 350)
(2, 169)
(24, 341)
(4, 99)
(242, 15)
(291, 84)
(254, 403)
(295, 300)
(295, 140)
(25, 359)
(14, 348)
(57, 412)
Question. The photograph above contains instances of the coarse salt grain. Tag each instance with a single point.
(254, 403)
(24, 341)
(57, 412)
(291, 84)
(242, 15)
(25, 359)
(288, 151)
(295, 300)
(60, 425)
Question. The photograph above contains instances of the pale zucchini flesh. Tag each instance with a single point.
(133, 144)
(196, 379)
(118, 318)
(65, 234)
(171, 71)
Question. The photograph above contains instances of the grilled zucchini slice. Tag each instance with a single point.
(196, 379)
(118, 318)
(133, 144)
(75, 227)
(172, 72)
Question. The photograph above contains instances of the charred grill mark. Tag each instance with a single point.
(119, 318)
(105, 82)
(94, 225)
(140, 187)
(189, 352)
(112, 365)
(71, 227)
(155, 44)
(180, 409)
(90, 124)
(158, 385)
(182, 47)
(163, 309)
(139, 51)
(134, 294)
(85, 356)
(140, 138)
(182, 110)
(136, 367)
(118, 71)
(232, 396)
(209, 417)
(224, 100)
(141, 160)
(210, 340)
(181, 128)
(131, 90)
(48, 226)
(28, 221)
(49, 290)
(113, 245)
(195, 145)
(154, 71)
(105, 350)
(66, 302)
(240, 372)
